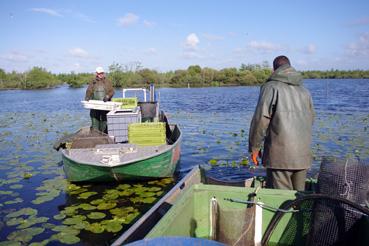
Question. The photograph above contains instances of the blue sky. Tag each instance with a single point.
(65, 36)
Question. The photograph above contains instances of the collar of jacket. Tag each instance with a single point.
(286, 74)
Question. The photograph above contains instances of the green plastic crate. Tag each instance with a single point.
(147, 134)
(127, 103)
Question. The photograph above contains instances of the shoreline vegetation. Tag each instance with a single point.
(134, 75)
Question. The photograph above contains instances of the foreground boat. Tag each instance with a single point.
(124, 161)
(152, 149)
(249, 216)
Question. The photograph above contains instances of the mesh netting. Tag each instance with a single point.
(321, 220)
(336, 216)
(84, 138)
(344, 178)
(236, 226)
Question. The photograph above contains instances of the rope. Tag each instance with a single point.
(347, 184)
(262, 205)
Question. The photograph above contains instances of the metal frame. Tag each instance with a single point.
(135, 89)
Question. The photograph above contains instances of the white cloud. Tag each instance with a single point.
(47, 11)
(360, 22)
(149, 23)
(212, 37)
(79, 53)
(191, 55)
(15, 56)
(128, 19)
(310, 49)
(192, 41)
(151, 51)
(264, 46)
(359, 47)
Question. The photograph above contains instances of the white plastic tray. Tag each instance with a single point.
(101, 105)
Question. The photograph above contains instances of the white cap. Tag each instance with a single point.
(99, 70)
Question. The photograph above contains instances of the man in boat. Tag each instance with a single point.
(100, 88)
(283, 120)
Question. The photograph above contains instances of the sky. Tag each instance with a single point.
(79, 35)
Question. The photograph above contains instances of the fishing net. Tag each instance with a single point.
(339, 215)
(236, 226)
(320, 220)
(84, 138)
(344, 178)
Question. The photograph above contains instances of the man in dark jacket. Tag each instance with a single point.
(100, 88)
(283, 120)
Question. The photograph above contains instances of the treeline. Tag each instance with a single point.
(133, 75)
(336, 74)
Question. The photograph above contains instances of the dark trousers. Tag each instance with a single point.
(98, 120)
(286, 179)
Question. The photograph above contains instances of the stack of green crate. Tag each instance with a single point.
(127, 102)
(147, 134)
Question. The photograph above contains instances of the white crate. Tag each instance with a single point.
(101, 105)
(118, 122)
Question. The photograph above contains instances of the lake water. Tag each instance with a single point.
(215, 124)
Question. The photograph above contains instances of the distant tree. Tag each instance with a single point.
(2, 78)
(38, 78)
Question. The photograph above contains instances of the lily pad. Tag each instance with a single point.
(59, 216)
(86, 195)
(95, 228)
(74, 220)
(16, 186)
(66, 238)
(86, 206)
(113, 226)
(106, 205)
(97, 201)
(25, 235)
(23, 211)
(32, 220)
(96, 215)
(16, 200)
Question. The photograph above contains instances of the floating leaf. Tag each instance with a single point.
(86, 206)
(59, 216)
(113, 226)
(123, 211)
(95, 228)
(213, 162)
(16, 186)
(123, 186)
(97, 201)
(23, 211)
(3, 192)
(25, 235)
(27, 175)
(66, 238)
(74, 220)
(106, 205)
(66, 229)
(16, 200)
(86, 195)
(32, 220)
(96, 215)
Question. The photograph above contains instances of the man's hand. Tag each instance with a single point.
(254, 157)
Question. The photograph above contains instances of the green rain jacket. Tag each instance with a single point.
(283, 119)
(99, 88)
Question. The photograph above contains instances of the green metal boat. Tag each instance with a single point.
(140, 143)
(84, 160)
(250, 215)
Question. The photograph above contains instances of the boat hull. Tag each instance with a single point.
(159, 166)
